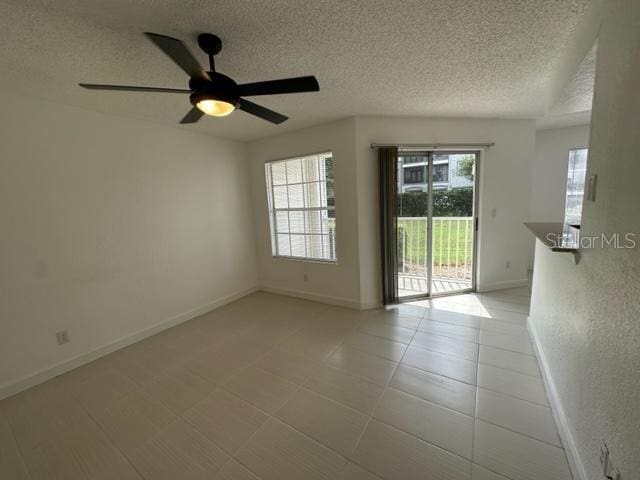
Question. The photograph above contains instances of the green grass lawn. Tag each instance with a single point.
(449, 245)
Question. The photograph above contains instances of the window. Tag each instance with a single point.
(414, 175)
(413, 159)
(575, 185)
(302, 207)
(441, 172)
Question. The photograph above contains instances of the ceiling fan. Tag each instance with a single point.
(211, 92)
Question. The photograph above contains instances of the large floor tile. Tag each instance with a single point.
(456, 318)
(279, 452)
(261, 388)
(481, 473)
(444, 391)
(518, 415)
(516, 456)
(102, 389)
(134, 419)
(406, 309)
(179, 390)
(288, 387)
(354, 392)
(512, 383)
(179, 451)
(36, 416)
(505, 315)
(511, 305)
(381, 347)
(433, 423)
(396, 455)
(518, 362)
(225, 419)
(516, 343)
(78, 454)
(449, 330)
(329, 422)
(446, 365)
(500, 326)
(355, 472)
(121, 470)
(393, 317)
(234, 470)
(385, 330)
(11, 462)
(291, 367)
(217, 366)
(355, 362)
(446, 345)
(314, 345)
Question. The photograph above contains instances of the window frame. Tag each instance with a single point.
(567, 193)
(272, 210)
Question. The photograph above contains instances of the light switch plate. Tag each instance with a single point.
(591, 188)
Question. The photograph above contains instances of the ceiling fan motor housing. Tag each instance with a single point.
(220, 87)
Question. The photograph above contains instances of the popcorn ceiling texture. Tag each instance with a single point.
(587, 315)
(577, 95)
(490, 58)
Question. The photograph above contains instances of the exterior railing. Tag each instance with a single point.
(452, 247)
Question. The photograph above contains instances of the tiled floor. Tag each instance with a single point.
(276, 388)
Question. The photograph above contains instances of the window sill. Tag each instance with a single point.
(305, 260)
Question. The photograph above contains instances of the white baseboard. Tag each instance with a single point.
(489, 287)
(16, 386)
(562, 422)
(339, 301)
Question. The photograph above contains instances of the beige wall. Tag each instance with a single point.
(549, 174)
(111, 226)
(355, 280)
(585, 316)
(504, 186)
(549, 170)
(337, 283)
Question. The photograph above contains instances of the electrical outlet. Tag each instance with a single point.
(63, 337)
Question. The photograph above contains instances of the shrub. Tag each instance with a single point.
(457, 202)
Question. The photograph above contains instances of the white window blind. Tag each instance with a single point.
(302, 207)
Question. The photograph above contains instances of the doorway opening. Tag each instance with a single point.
(436, 222)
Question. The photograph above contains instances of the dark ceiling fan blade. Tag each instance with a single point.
(126, 88)
(193, 116)
(260, 111)
(285, 85)
(179, 53)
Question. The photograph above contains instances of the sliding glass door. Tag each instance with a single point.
(436, 226)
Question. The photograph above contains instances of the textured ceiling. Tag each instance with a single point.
(577, 95)
(573, 106)
(489, 58)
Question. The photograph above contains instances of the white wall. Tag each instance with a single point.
(335, 283)
(586, 316)
(111, 226)
(549, 170)
(549, 174)
(355, 281)
(504, 185)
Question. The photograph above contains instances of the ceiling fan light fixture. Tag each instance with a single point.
(216, 108)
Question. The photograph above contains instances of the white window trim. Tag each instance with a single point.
(273, 231)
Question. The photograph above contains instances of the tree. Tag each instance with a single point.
(465, 167)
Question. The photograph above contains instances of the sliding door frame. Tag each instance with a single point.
(475, 215)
